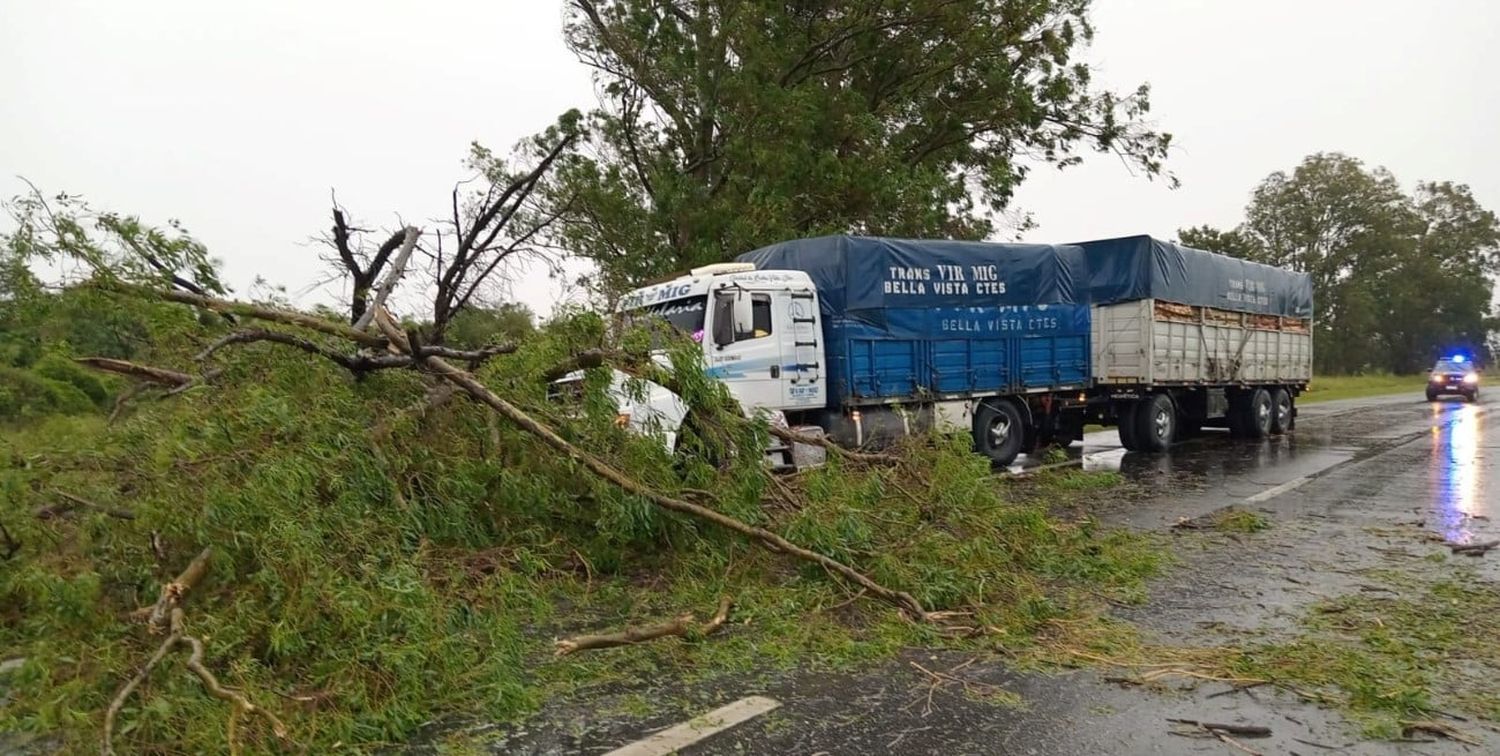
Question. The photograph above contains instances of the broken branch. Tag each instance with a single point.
(71, 502)
(146, 373)
(397, 269)
(1249, 731)
(241, 704)
(129, 687)
(175, 592)
(679, 626)
(1473, 549)
(1441, 729)
(236, 699)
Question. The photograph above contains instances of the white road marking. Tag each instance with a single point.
(681, 736)
(1274, 491)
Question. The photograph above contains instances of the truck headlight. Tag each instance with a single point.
(1471, 378)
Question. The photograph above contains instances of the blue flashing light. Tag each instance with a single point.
(1458, 358)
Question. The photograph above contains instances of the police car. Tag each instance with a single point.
(1453, 376)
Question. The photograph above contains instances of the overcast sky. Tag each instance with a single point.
(238, 119)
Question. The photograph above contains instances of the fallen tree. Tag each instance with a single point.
(401, 524)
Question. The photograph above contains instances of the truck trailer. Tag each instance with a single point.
(864, 340)
(1182, 339)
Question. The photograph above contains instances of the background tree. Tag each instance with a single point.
(724, 125)
(1398, 278)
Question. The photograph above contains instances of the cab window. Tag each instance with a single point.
(760, 309)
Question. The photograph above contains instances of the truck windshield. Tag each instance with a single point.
(684, 314)
(1449, 366)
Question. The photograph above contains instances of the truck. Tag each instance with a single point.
(862, 340)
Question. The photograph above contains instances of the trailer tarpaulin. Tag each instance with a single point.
(1140, 267)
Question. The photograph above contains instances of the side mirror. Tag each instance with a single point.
(724, 316)
(744, 313)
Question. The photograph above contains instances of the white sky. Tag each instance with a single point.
(238, 119)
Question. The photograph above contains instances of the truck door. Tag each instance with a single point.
(803, 348)
(747, 355)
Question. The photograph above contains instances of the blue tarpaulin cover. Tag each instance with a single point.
(856, 274)
(1140, 267)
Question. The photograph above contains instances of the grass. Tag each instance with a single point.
(1240, 521)
(1324, 388)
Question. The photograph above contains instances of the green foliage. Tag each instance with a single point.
(25, 394)
(725, 126)
(64, 370)
(398, 566)
(1399, 279)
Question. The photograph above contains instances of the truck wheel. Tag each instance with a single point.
(1281, 411)
(999, 430)
(1125, 424)
(1256, 422)
(1156, 424)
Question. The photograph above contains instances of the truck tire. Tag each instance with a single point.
(1256, 414)
(1156, 424)
(1282, 419)
(999, 431)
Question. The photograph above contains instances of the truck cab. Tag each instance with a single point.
(760, 332)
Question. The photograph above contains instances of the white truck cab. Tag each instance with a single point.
(761, 335)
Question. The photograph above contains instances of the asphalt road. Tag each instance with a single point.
(1352, 490)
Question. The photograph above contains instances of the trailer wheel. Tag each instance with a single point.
(999, 431)
(1125, 424)
(1257, 413)
(1156, 423)
(1282, 419)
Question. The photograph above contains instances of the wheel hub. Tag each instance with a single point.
(999, 431)
(1163, 423)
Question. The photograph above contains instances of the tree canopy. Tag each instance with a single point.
(724, 125)
(1399, 278)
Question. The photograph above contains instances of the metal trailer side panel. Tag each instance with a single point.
(1121, 337)
(1134, 346)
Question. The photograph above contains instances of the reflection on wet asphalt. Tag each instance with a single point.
(1457, 470)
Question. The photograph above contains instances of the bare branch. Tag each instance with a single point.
(71, 502)
(678, 626)
(252, 335)
(398, 268)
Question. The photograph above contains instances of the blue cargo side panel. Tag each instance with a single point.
(883, 367)
(958, 353)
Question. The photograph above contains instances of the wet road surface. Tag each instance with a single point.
(1356, 488)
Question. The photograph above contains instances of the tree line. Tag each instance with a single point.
(1400, 279)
